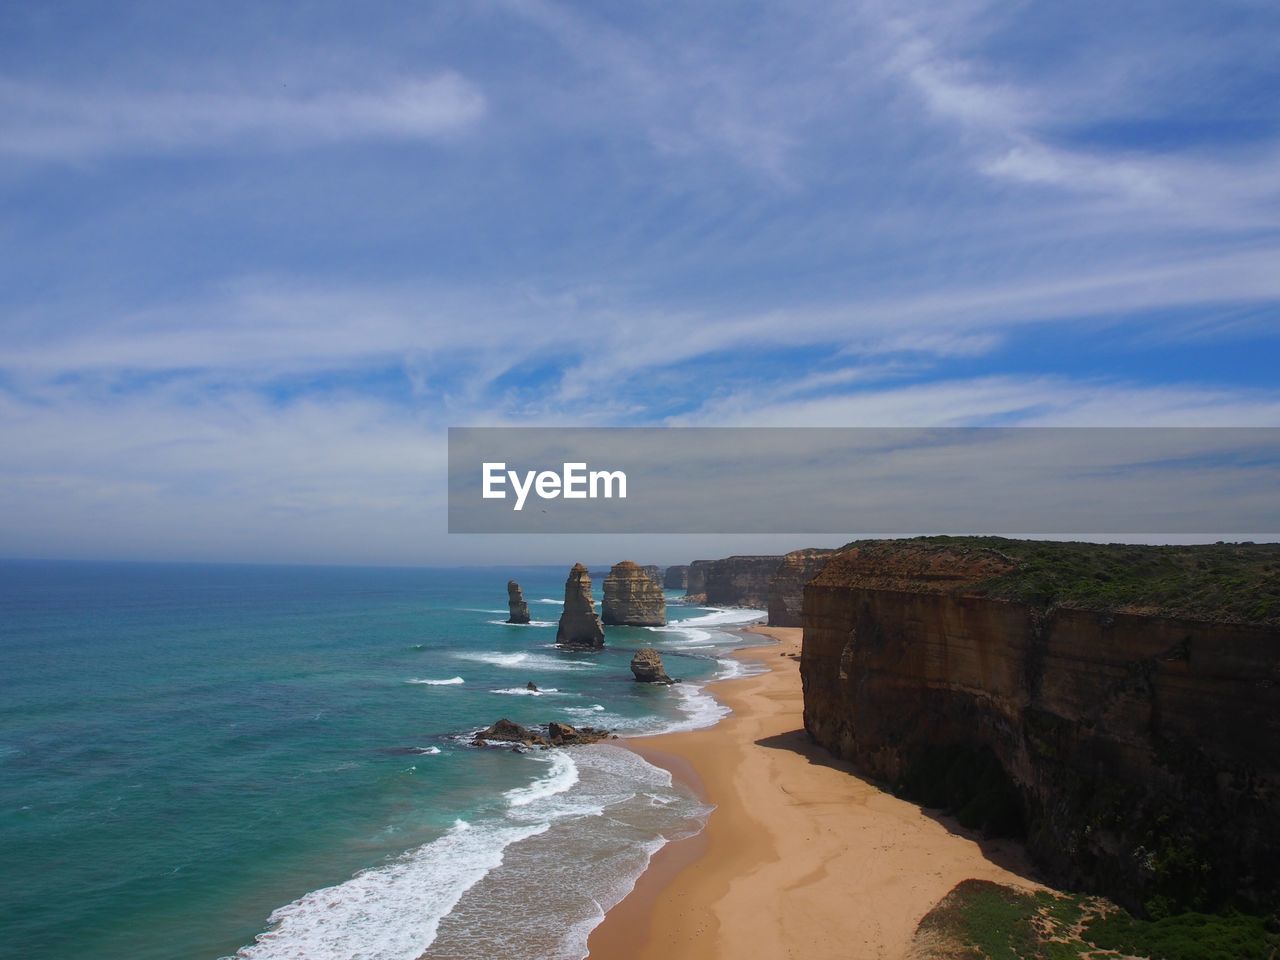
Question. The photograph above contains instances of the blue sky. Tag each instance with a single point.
(258, 257)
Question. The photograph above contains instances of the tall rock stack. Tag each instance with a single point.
(677, 577)
(515, 604)
(579, 623)
(786, 587)
(632, 598)
(654, 573)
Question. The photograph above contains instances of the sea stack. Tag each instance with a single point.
(632, 598)
(647, 666)
(579, 623)
(653, 572)
(515, 604)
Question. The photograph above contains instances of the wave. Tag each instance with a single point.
(549, 600)
(562, 776)
(452, 681)
(525, 691)
(391, 912)
(427, 751)
(525, 661)
(531, 623)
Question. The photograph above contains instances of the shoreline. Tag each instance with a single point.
(801, 856)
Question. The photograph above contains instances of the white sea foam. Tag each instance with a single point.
(561, 777)
(526, 661)
(391, 912)
(452, 681)
(549, 600)
(526, 692)
(427, 751)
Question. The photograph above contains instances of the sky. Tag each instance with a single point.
(258, 257)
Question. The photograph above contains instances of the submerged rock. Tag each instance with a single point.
(516, 604)
(579, 623)
(632, 598)
(647, 666)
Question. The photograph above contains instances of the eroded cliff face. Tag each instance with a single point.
(676, 578)
(740, 581)
(579, 623)
(1145, 750)
(696, 580)
(654, 573)
(632, 598)
(786, 586)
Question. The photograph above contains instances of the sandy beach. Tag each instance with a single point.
(802, 857)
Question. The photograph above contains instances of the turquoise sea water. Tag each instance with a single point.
(212, 761)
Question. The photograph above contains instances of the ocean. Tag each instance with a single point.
(210, 761)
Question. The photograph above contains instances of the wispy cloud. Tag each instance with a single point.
(38, 121)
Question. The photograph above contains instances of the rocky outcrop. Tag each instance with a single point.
(508, 731)
(654, 573)
(676, 578)
(786, 586)
(1138, 750)
(558, 735)
(740, 581)
(632, 598)
(647, 667)
(579, 624)
(563, 735)
(696, 578)
(519, 610)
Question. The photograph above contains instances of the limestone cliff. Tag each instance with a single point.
(740, 581)
(516, 605)
(579, 624)
(677, 577)
(632, 598)
(647, 666)
(786, 586)
(696, 580)
(1141, 748)
(654, 573)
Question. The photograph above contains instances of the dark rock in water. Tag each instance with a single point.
(516, 604)
(677, 577)
(579, 623)
(531, 686)
(507, 731)
(563, 735)
(647, 666)
(632, 598)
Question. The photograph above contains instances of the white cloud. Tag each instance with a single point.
(56, 122)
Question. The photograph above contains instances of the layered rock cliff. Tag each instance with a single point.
(579, 624)
(654, 573)
(740, 581)
(677, 577)
(632, 598)
(696, 578)
(517, 607)
(786, 586)
(1139, 749)
(647, 666)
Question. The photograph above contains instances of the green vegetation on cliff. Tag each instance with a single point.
(1226, 582)
(980, 920)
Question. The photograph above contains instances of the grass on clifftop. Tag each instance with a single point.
(980, 920)
(1229, 582)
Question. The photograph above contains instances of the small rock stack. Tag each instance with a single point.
(647, 666)
(579, 624)
(515, 604)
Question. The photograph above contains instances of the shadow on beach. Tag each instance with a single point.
(1006, 853)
